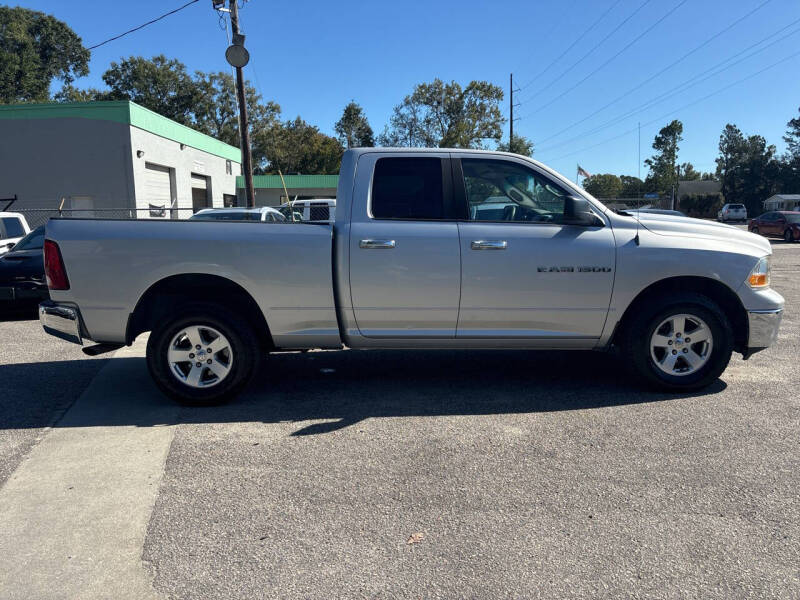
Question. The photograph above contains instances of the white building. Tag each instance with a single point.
(92, 157)
(782, 202)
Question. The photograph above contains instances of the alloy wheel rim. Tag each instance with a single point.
(200, 356)
(681, 345)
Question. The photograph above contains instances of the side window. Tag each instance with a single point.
(13, 227)
(499, 190)
(407, 188)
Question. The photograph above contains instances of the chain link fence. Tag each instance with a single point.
(636, 203)
(318, 213)
(39, 216)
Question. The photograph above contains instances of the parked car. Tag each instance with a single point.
(13, 227)
(22, 281)
(781, 223)
(732, 212)
(264, 213)
(657, 211)
(318, 210)
(405, 266)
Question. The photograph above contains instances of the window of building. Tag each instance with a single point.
(229, 200)
(228, 167)
(407, 188)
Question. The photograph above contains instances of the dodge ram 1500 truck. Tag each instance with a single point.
(429, 249)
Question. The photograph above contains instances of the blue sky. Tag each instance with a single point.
(314, 57)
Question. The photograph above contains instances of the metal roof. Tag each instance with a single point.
(274, 182)
(128, 113)
(785, 196)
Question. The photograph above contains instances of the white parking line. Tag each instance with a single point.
(74, 515)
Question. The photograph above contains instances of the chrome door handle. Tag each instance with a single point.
(489, 245)
(376, 244)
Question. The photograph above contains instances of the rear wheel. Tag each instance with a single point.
(754, 230)
(203, 355)
(680, 342)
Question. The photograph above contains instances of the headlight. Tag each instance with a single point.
(759, 276)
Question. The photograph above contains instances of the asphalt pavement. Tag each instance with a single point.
(395, 474)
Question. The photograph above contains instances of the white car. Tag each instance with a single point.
(265, 213)
(13, 227)
(315, 210)
(732, 212)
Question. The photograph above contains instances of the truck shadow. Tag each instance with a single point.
(340, 388)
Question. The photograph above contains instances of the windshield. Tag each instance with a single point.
(33, 241)
(792, 218)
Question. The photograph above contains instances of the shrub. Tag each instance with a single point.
(701, 205)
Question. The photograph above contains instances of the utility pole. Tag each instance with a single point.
(244, 131)
(511, 111)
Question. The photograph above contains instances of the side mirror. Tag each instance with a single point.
(10, 245)
(578, 211)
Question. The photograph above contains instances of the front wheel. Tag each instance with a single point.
(754, 230)
(787, 235)
(680, 342)
(203, 355)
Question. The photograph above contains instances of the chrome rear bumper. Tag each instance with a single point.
(61, 321)
(763, 328)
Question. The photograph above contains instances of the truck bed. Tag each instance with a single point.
(286, 269)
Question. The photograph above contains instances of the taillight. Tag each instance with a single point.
(54, 267)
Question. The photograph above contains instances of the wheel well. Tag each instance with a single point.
(164, 297)
(717, 291)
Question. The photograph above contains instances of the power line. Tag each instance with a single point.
(116, 37)
(685, 106)
(595, 47)
(550, 33)
(662, 71)
(628, 45)
(572, 45)
(691, 82)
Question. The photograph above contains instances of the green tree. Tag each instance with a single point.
(603, 185)
(297, 147)
(518, 145)
(158, 83)
(353, 128)
(792, 138)
(747, 168)
(632, 187)
(662, 164)
(35, 49)
(687, 172)
(215, 109)
(445, 115)
(69, 93)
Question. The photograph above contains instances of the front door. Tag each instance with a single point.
(405, 263)
(526, 274)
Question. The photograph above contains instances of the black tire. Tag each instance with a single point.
(788, 237)
(637, 334)
(754, 230)
(244, 354)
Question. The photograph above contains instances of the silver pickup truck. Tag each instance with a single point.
(429, 249)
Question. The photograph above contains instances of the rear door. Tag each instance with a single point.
(405, 264)
(524, 273)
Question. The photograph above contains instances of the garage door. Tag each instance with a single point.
(199, 192)
(157, 185)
